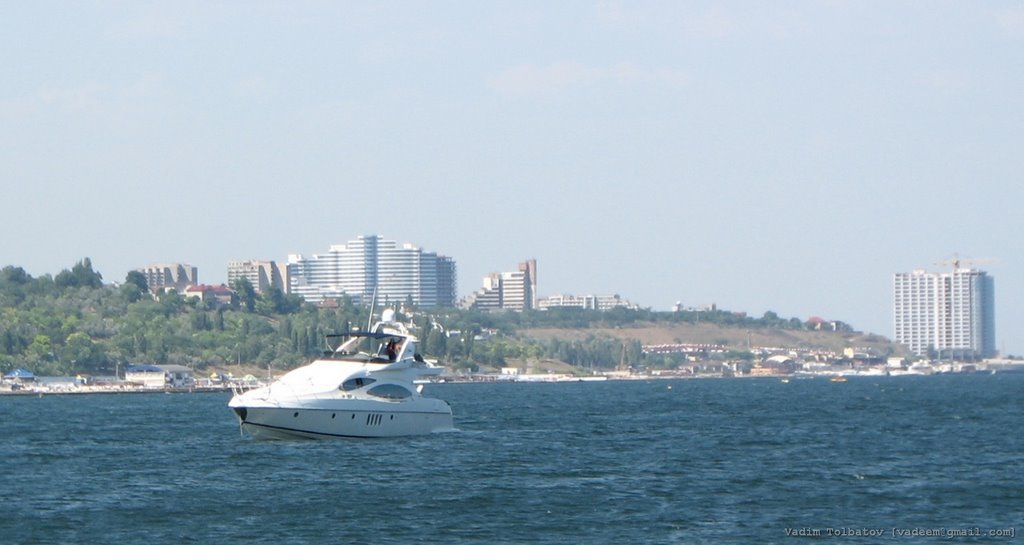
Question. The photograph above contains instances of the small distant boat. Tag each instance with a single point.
(839, 378)
(784, 381)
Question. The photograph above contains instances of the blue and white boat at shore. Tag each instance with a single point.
(362, 387)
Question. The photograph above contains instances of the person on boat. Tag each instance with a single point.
(392, 349)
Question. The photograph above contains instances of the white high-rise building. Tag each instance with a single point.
(357, 268)
(949, 314)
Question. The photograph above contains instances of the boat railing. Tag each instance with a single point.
(239, 388)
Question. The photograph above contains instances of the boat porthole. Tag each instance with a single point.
(296, 415)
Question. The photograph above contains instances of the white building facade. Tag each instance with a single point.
(592, 302)
(948, 314)
(398, 273)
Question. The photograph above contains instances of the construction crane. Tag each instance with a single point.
(956, 262)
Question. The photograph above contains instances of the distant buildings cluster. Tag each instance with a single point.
(515, 290)
(371, 266)
(949, 314)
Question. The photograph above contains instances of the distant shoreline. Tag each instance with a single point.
(96, 391)
(36, 391)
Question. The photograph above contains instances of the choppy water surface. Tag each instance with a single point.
(698, 461)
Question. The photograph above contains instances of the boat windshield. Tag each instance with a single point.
(364, 345)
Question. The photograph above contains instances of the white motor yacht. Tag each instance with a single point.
(361, 387)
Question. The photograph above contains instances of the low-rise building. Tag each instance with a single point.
(220, 295)
(159, 376)
(592, 302)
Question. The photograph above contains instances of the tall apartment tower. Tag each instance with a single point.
(398, 273)
(950, 314)
(529, 270)
(261, 274)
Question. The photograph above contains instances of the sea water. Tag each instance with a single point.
(658, 461)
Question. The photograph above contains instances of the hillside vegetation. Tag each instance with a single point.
(75, 323)
(735, 337)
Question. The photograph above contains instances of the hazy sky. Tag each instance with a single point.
(785, 156)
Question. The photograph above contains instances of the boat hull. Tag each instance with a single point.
(292, 423)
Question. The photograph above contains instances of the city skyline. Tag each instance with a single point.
(933, 312)
(751, 156)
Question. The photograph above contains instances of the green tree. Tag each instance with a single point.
(437, 343)
(634, 352)
(80, 353)
(41, 348)
(138, 279)
(14, 275)
(274, 301)
(246, 293)
(80, 276)
(171, 302)
(134, 286)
